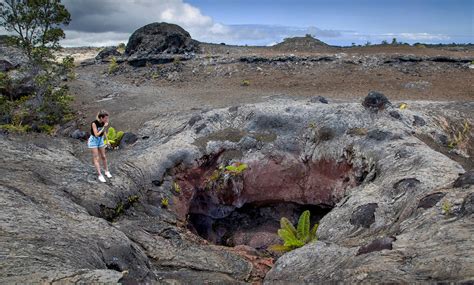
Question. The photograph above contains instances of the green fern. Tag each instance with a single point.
(295, 237)
(113, 137)
(164, 202)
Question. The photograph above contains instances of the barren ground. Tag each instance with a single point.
(214, 79)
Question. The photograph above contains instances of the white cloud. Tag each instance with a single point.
(75, 39)
(421, 36)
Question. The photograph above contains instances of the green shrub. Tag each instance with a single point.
(113, 66)
(46, 129)
(16, 114)
(295, 238)
(459, 137)
(113, 137)
(68, 66)
(11, 128)
(55, 107)
(5, 83)
(245, 82)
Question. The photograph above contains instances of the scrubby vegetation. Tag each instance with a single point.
(220, 177)
(295, 237)
(459, 136)
(36, 28)
(113, 66)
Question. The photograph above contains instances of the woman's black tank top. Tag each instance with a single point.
(99, 126)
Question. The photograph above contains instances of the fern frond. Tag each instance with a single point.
(289, 239)
(312, 235)
(111, 133)
(303, 226)
(119, 135)
(279, 248)
(285, 224)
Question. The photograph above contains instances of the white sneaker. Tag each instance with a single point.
(107, 173)
(101, 178)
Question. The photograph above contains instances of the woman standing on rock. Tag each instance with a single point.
(96, 143)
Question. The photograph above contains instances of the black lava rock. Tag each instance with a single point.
(157, 38)
(319, 99)
(406, 184)
(78, 134)
(364, 215)
(107, 52)
(467, 207)
(418, 121)
(194, 119)
(379, 135)
(375, 101)
(5, 65)
(128, 139)
(430, 200)
(377, 245)
(395, 115)
(465, 179)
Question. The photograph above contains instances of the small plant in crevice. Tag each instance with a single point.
(236, 168)
(245, 82)
(176, 187)
(164, 202)
(460, 136)
(113, 138)
(155, 75)
(446, 207)
(357, 131)
(133, 199)
(220, 177)
(111, 214)
(295, 237)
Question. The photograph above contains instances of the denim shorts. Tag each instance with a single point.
(95, 142)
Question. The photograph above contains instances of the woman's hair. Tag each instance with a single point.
(101, 114)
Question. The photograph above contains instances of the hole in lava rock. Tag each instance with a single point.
(254, 224)
(246, 209)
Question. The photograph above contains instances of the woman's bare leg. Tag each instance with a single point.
(104, 158)
(95, 159)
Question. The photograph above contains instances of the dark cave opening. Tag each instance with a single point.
(253, 224)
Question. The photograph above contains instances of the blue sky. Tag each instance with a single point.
(446, 20)
(265, 22)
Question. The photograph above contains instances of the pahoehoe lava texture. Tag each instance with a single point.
(369, 167)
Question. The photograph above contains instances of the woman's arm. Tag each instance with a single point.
(96, 132)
